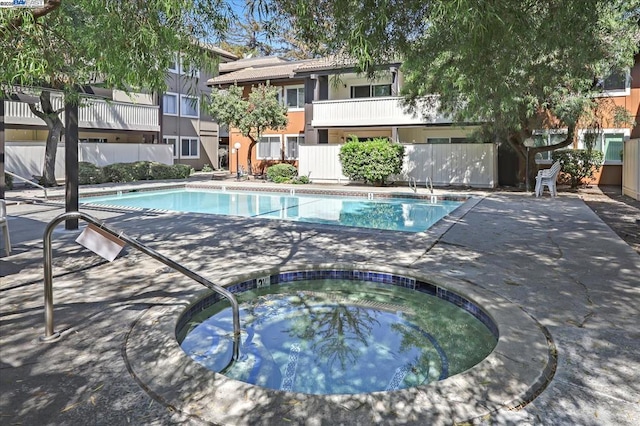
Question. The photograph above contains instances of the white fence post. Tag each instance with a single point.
(631, 169)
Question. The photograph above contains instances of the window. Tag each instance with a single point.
(366, 139)
(543, 138)
(189, 106)
(170, 104)
(291, 146)
(371, 91)
(269, 147)
(437, 140)
(381, 90)
(171, 140)
(610, 142)
(190, 147)
(93, 140)
(616, 84)
(294, 97)
(612, 145)
(462, 140)
(173, 67)
(360, 91)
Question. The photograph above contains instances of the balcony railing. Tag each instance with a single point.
(93, 114)
(383, 111)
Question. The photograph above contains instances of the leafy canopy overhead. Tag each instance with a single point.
(119, 44)
(502, 60)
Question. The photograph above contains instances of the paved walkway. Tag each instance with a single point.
(554, 258)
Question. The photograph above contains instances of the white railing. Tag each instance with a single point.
(93, 114)
(100, 114)
(27, 158)
(474, 165)
(631, 169)
(384, 111)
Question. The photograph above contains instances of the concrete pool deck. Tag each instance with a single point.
(555, 259)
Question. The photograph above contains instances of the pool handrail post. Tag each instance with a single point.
(51, 335)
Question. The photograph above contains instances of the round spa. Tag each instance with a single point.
(327, 332)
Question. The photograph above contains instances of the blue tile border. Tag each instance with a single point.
(352, 275)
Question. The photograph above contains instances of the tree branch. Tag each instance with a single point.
(38, 12)
(41, 115)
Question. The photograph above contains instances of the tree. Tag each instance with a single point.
(248, 37)
(252, 116)
(256, 33)
(516, 65)
(128, 45)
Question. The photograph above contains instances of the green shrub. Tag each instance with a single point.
(301, 180)
(371, 161)
(578, 164)
(141, 170)
(282, 173)
(182, 171)
(118, 172)
(206, 168)
(159, 171)
(89, 174)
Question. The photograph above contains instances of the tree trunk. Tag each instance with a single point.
(516, 140)
(251, 145)
(55, 126)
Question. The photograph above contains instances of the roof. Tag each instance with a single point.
(261, 61)
(282, 70)
(275, 68)
(332, 63)
(218, 51)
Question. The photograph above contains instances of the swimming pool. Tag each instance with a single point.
(395, 214)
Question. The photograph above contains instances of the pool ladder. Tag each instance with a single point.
(51, 335)
(413, 184)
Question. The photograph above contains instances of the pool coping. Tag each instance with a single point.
(519, 367)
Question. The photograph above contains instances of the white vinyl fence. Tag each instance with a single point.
(27, 158)
(631, 169)
(474, 165)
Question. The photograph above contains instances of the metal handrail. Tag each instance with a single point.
(50, 335)
(30, 182)
(429, 184)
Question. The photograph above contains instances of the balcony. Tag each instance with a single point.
(93, 114)
(383, 111)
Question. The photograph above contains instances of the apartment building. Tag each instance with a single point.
(120, 127)
(328, 103)
(193, 134)
(617, 90)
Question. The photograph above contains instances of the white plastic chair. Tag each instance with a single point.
(548, 177)
(4, 224)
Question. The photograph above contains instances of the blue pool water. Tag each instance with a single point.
(396, 214)
(338, 337)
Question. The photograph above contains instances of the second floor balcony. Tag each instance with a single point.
(379, 111)
(93, 114)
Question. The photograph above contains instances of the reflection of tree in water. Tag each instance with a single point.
(338, 331)
(414, 338)
(376, 215)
